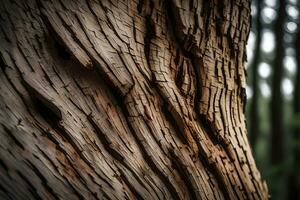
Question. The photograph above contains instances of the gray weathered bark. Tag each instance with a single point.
(125, 100)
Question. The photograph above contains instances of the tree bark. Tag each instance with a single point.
(125, 100)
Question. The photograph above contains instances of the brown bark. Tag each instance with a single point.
(125, 100)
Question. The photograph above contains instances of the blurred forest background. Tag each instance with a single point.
(273, 92)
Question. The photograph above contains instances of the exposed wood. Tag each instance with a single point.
(125, 100)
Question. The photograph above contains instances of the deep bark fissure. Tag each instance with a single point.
(11, 135)
(138, 196)
(105, 140)
(205, 123)
(32, 189)
(146, 156)
(183, 173)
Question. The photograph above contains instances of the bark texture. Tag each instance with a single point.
(125, 100)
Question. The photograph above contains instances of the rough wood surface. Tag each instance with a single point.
(125, 100)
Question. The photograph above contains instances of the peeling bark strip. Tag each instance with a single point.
(125, 100)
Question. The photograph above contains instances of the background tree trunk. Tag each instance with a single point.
(276, 112)
(294, 175)
(125, 100)
(254, 112)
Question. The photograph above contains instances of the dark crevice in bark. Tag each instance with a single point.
(220, 18)
(76, 105)
(2, 63)
(208, 127)
(3, 165)
(243, 97)
(7, 193)
(127, 86)
(214, 135)
(32, 189)
(12, 83)
(179, 76)
(150, 34)
(147, 157)
(7, 39)
(52, 115)
(47, 109)
(43, 179)
(212, 167)
(105, 140)
(136, 176)
(59, 40)
(77, 193)
(81, 178)
(131, 187)
(100, 186)
(61, 50)
(184, 174)
(104, 180)
(206, 13)
(48, 158)
(160, 174)
(231, 45)
(13, 137)
(229, 150)
(50, 136)
(140, 6)
(177, 128)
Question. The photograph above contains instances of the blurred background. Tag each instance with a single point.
(273, 92)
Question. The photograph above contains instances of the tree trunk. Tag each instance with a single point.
(254, 116)
(294, 175)
(125, 100)
(276, 112)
